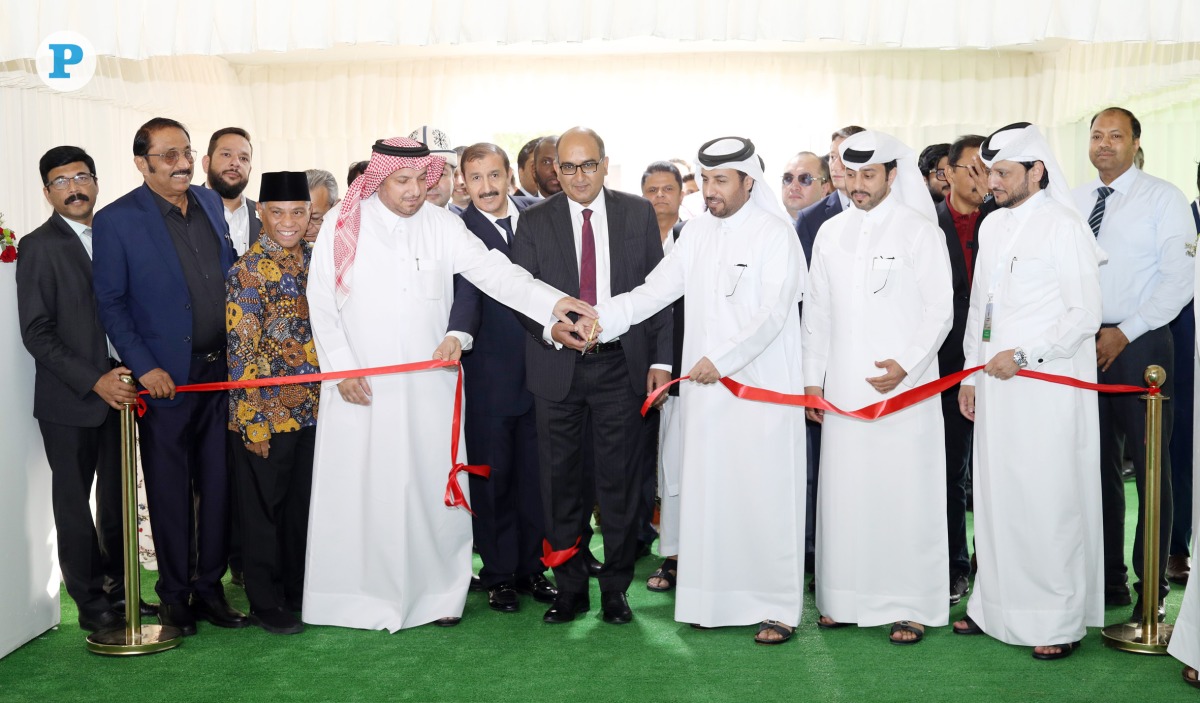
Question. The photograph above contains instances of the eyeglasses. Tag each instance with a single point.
(172, 156)
(940, 174)
(80, 179)
(804, 179)
(568, 169)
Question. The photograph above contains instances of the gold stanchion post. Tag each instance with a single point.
(1148, 636)
(134, 638)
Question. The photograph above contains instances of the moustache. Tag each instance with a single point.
(860, 192)
(491, 194)
(77, 198)
(182, 172)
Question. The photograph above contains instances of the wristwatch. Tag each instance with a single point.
(1019, 357)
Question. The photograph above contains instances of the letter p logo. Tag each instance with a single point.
(65, 55)
(65, 61)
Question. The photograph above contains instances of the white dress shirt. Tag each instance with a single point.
(1145, 231)
(512, 213)
(239, 226)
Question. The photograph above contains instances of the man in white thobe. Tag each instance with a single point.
(1185, 638)
(1035, 304)
(384, 550)
(878, 306)
(741, 523)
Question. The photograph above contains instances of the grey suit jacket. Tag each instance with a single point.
(545, 246)
(59, 325)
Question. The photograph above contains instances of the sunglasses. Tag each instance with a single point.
(804, 179)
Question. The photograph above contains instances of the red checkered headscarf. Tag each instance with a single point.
(387, 157)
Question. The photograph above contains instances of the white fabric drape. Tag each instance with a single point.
(138, 29)
(647, 107)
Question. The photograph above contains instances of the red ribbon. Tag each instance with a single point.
(895, 403)
(552, 558)
(454, 493)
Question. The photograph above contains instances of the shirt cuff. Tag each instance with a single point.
(464, 339)
(1134, 327)
(661, 367)
(547, 336)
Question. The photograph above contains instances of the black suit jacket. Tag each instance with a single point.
(59, 325)
(494, 369)
(545, 246)
(950, 356)
(810, 219)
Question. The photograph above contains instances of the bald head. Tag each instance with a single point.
(582, 164)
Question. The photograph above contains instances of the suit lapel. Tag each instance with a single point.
(564, 235)
(156, 232)
(619, 237)
(483, 228)
(76, 252)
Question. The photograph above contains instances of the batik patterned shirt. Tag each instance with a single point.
(269, 335)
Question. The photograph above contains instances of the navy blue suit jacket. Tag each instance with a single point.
(811, 218)
(141, 295)
(494, 369)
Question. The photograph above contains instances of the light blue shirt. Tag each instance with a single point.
(1145, 232)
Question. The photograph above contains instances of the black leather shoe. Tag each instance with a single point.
(566, 607)
(615, 608)
(1137, 611)
(216, 610)
(959, 585)
(537, 586)
(147, 610)
(100, 620)
(277, 621)
(642, 551)
(178, 615)
(447, 622)
(1117, 594)
(503, 598)
(476, 585)
(593, 565)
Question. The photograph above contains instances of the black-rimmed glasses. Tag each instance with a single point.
(568, 169)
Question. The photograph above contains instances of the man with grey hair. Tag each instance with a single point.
(323, 192)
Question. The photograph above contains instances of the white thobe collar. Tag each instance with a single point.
(880, 212)
(736, 219)
(1022, 212)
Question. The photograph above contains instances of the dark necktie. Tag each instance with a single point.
(506, 224)
(587, 262)
(1097, 215)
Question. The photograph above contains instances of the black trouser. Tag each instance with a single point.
(183, 457)
(812, 432)
(233, 447)
(90, 554)
(600, 394)
(272, 503)
(958, 463)
(508, 524)
(1123, 420)
(647, 453)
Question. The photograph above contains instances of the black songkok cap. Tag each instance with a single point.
(283, 186)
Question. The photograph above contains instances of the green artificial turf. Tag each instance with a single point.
(498, 657)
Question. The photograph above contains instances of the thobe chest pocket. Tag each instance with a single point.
(430, 280)
(1029, 280)
(736, 282)
(888, 275)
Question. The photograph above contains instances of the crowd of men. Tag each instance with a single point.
(875, 270)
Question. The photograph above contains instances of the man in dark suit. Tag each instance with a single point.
(77, 388)
(959, 216)
(499, 420)
(598, 243)
(527, 185)
(808, 223)
(227, 167)
(161, 253)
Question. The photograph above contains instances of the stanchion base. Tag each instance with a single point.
(122, 642)
(1128, 637)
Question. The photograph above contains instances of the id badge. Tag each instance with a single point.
(987, 321)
